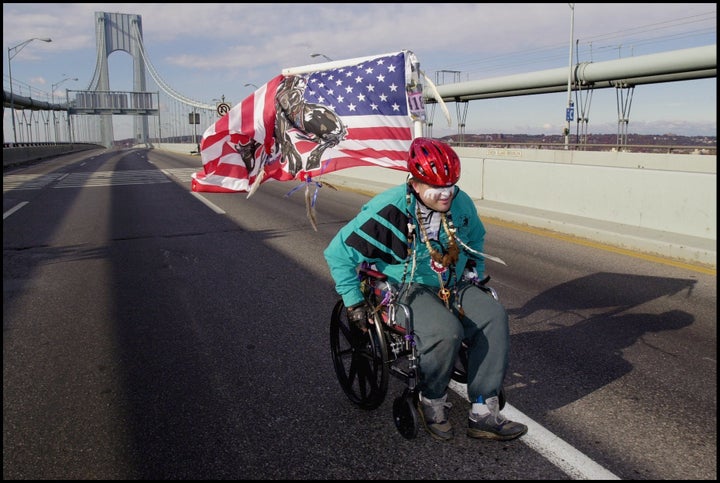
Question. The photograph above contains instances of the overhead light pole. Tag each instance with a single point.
(57, 84)
(322, 55)
(52, 95)
(12, 52)
(569, 111)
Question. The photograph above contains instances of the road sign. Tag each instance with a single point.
(223, 108)
(569, 113)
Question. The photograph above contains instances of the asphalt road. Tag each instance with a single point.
(152, 333)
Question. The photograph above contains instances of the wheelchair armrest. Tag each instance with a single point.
(369, 272)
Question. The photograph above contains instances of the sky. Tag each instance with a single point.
(210, 51)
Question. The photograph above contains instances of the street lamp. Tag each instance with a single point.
(322, 55)
(57, 84)
(52, 95)
(569, 111)
(251, 84)
(12, 52)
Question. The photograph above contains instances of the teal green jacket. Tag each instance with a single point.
(379, 235)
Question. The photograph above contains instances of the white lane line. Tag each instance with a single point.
(208, 203)
(574, 463)
(14, 209)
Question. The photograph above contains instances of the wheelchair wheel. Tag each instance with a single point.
(405, 414)
(360, 359)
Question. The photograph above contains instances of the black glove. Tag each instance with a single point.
(358, 315)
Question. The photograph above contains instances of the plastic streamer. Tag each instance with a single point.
(308, 181)
(310, 200)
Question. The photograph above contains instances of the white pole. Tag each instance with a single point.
(569, 86)
(12, 52)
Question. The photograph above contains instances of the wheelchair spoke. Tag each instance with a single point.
(360, 360)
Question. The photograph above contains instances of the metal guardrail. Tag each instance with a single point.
(43, 144)
(627, 148)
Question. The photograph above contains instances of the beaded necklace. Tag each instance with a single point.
(446, 260)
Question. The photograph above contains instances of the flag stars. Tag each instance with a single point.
(368, 88)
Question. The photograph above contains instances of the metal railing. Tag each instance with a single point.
(710, 149)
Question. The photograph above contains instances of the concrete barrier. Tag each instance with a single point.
(20, 154)
(664, 204)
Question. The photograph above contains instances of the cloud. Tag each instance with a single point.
(207, 50)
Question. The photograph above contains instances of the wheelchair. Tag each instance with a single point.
(365, 360)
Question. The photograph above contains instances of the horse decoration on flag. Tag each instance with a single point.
(312, 122)
(249, 151)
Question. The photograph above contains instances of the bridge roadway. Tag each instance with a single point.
(659, 205)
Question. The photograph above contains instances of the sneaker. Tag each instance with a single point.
(434, 416)
(494, 425)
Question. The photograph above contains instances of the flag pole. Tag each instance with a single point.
(304, 69)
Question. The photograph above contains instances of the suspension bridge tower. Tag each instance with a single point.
(119, 31)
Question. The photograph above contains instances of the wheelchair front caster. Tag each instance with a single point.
(405, 414)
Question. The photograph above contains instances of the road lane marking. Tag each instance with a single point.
(571, 461)
(14, 209)
(208, 203)
(28, 181)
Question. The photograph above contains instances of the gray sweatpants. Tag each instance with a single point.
(439, 333)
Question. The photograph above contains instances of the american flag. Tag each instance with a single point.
(298, 127)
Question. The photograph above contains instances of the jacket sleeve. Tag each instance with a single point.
(472, 232)
(343, 262)
(378, 234)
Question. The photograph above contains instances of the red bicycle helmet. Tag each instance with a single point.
(433, 162)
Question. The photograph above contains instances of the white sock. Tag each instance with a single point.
(430, 401)
(479, 410)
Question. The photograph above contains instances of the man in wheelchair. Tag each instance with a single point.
(423, 235)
